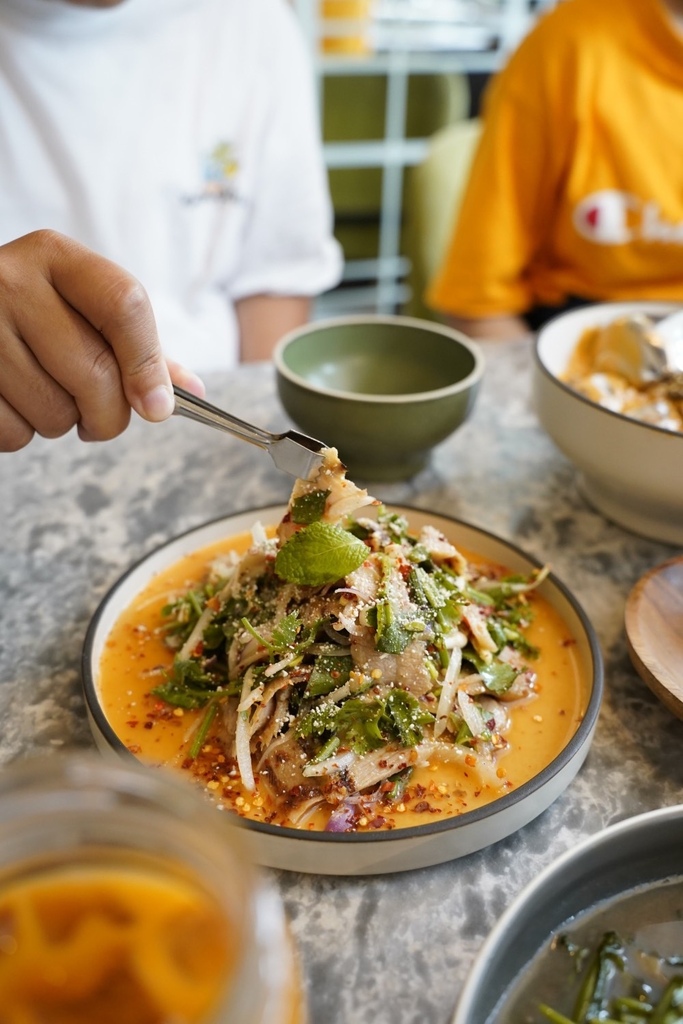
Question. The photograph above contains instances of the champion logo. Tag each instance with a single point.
(610, 217)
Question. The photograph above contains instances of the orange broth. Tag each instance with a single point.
(106, 943)
(135, 657)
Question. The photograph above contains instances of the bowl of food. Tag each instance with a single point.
(372, 689)
(383, 390)
(598, 935)
(615, 417)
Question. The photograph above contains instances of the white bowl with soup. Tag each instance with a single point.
(447, 810)
(630, 470)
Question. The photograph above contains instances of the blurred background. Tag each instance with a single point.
(400, 85)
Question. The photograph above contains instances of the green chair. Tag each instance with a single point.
(434, 189)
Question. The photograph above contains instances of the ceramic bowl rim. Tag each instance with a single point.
(601, 410)
(472, 379)
(537, 783)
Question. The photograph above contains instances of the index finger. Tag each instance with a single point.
(115, 304)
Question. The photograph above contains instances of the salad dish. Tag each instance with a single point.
(372, 688)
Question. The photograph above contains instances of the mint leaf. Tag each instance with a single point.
(318, 554)
(309, 508)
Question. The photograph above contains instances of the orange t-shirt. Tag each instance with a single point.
(577, 184)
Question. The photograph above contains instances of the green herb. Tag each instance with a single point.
(520, 643)
(328, 673)
(669, 1009)
(319, 554)
(288, 637)
(480, 597)
(592, 1000)
(497, 676)
(184, 612)
(497, 632)
(189, 685)
(364, 724)
(512, 586)
(309, 508)
(203, 730)
(638, 1007)
(554, 1016)
(598, 1001)
(399, 785)
(425, 590)
(285, 634)
(213, 636)
(358, 724)
(391, 634)
(464, 734)
(182, 696)
(326, 751)
(408, 716)
(419, 555)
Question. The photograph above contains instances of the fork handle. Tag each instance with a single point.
(198, 409)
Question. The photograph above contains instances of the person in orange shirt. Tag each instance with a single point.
(575, 193)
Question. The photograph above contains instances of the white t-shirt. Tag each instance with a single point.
(180, 139)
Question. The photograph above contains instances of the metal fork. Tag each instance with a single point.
(292, 452)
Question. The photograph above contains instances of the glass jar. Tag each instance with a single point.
(121, 883)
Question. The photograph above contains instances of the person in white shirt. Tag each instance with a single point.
(180, 140)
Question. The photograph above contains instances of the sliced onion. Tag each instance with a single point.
(472, 714)
(343, 818)
(197, 633)
(242, 746)
(377, 766)
(448, 691)
(330, 766)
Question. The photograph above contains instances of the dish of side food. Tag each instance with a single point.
(597, 936)
(632, 974)
(614, 365)
(370, 688)
(628, 469)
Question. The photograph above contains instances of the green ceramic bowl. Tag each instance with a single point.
(383, 390)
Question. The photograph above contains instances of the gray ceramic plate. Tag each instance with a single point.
(637, 853)
(400, 849)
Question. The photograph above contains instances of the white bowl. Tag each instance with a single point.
(629, 471)
(632, 855)
(400, 849)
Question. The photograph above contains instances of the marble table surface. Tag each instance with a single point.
(391, 949)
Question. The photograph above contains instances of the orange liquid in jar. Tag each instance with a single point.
(104, 943)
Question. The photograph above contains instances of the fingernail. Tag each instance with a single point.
(194, 384)
(158, 404)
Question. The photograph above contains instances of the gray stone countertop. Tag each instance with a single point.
(390, 949)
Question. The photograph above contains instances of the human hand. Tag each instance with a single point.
(78, 345)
